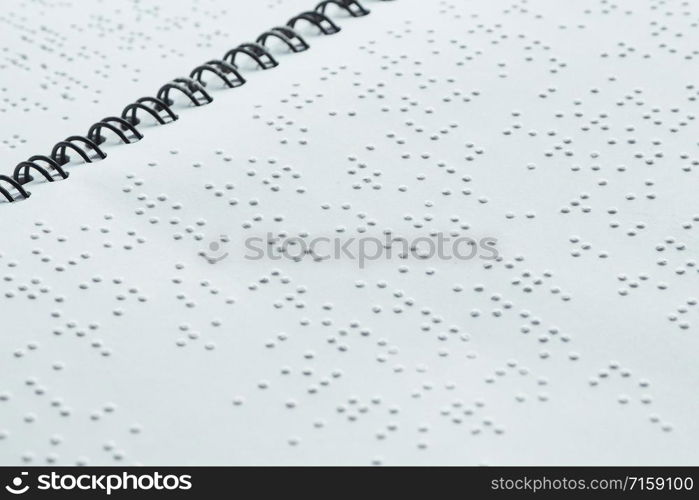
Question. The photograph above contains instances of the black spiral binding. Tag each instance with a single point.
(321, 21)
(14, 184)
(257, 53)
(188, 87)
(286, 35)
(129, 113)
(94, 133)
(220, 68)
(352, 7)
(50, 168)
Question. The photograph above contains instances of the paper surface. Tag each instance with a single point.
(564, 130)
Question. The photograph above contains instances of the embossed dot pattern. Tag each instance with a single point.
(566, 130)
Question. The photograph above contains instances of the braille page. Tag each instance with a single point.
(139, 326)
(66, 64)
